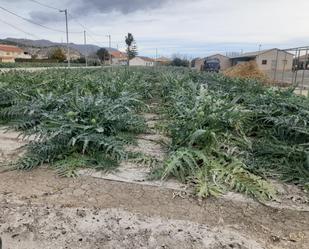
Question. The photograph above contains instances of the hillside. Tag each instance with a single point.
(27, 43)
(44, 52)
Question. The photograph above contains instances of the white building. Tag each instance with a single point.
(142, 61)
(9, 53)
(118, 58)
(267, 60)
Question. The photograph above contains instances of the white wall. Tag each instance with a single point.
(283, 61)
(24, 56)
(10, 54)
(137, 61)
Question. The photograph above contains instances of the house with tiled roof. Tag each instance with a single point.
(118, 58)
(9, 53)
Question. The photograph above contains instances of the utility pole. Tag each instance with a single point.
(67, 32)
(86, 50)
(156, 57)
(260, 47)
(110, 45)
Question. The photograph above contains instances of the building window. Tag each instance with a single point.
(264, 62)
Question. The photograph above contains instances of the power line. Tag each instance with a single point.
(25, 19)
(13, 26)
(45, 5)
(32, 22)
(59, 10)
(90, 34)
(75, 20)
(54, 8)
(82, 25)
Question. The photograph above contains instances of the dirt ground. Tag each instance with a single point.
(38, 210)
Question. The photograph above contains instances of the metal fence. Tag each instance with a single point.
(297, 75)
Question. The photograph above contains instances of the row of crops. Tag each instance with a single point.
(226, 134)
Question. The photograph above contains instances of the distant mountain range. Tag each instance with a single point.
(83, 49)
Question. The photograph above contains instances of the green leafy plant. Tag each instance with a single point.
(79, 118)
(232, 134)
(226, 134)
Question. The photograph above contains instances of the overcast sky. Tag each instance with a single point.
(190, 27)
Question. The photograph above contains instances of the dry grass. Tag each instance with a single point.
(247, 70)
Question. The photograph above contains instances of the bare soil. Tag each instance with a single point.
(38, 210)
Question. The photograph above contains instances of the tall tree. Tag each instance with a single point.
(131, 47)
(103, 55)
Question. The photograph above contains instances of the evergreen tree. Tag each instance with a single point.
(131, 47)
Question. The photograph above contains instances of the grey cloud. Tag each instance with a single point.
(87, 7)
(45, 17)
(122, 6)
(143, 21)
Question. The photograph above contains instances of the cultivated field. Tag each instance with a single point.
(166, 139)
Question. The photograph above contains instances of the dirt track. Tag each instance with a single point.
(38, 210)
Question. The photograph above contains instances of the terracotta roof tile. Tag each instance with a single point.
(117, 54)
(9, 48)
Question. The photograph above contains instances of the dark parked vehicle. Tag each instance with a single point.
(211, 65)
